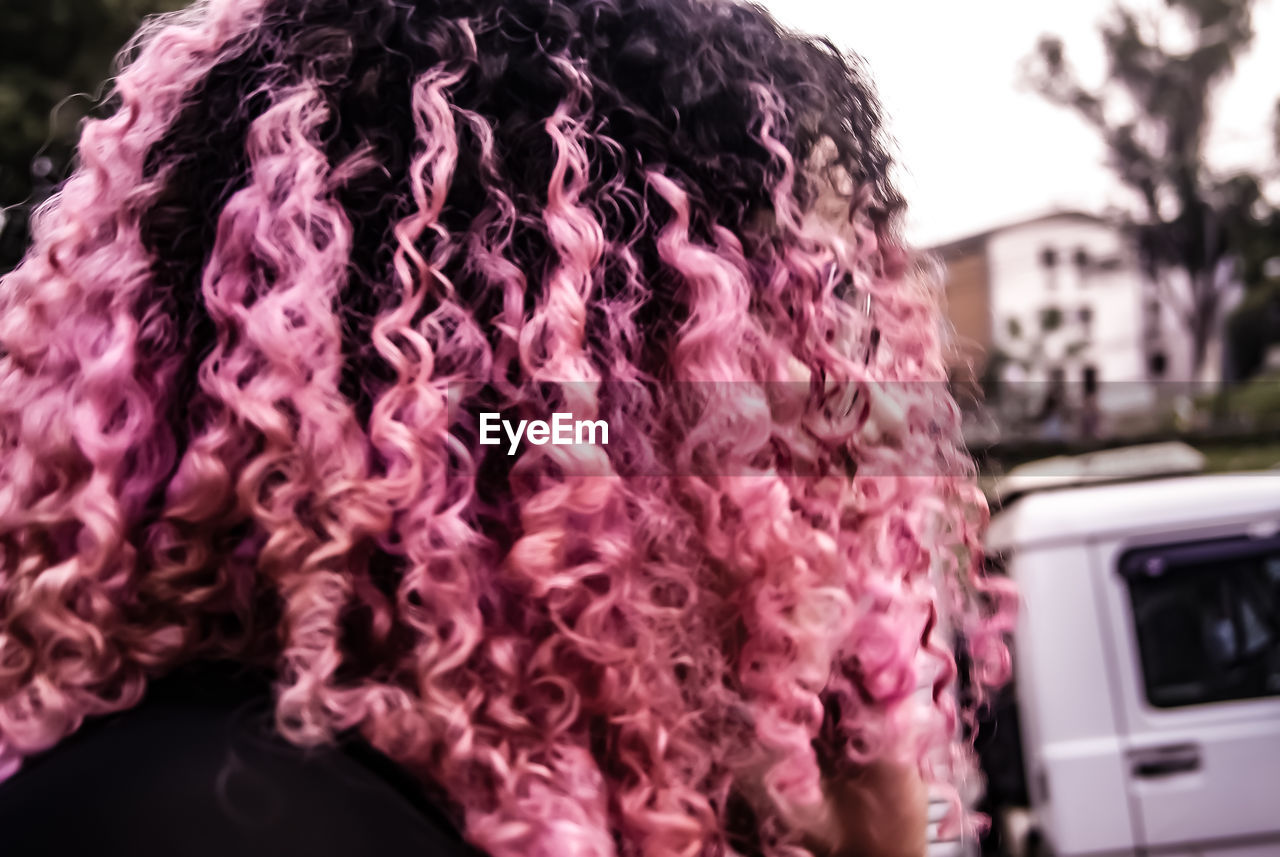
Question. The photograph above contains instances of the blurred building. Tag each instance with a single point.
(1061, 302)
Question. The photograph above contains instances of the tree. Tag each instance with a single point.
(1254, 328)
(1153, 115)
(1030, 354)
(54, 57)
(1034, 356)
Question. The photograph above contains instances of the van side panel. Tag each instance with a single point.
(1069, 729)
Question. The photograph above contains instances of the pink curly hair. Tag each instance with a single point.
(591, 649)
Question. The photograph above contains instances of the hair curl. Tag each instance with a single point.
(242, 363)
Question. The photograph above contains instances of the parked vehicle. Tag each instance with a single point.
(1147, 657)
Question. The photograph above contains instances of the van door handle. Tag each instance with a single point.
(1165, 761)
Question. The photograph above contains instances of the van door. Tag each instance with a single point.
(1073, 745)
(1199, 661)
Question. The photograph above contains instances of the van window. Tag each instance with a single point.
(1207, 618)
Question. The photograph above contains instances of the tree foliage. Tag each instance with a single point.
(1030, 351)
(1254, 328)
(54, 57)
(1153, 114)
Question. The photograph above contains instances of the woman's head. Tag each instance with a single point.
(244, 364)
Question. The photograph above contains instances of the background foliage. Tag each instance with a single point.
(1154, 112)
(54, 57)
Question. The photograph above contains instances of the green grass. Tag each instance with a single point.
(1226, 459)
(1256, 402)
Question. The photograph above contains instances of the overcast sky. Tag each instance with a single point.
(977, 150)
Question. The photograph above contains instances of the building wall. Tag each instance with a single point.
(1115, 321)
(1106, 303)
(968, 309)
(1120, 330)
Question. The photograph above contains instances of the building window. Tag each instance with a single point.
(1206, 617)
(1049, 261)
(1083, 266)
(1158, 364)
(1090, 379)
(1085, 317)
(1051, 319)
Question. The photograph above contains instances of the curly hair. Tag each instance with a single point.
(240, 373)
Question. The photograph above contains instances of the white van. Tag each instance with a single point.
(1147, 658)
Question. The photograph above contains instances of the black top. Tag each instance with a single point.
(197, 770)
